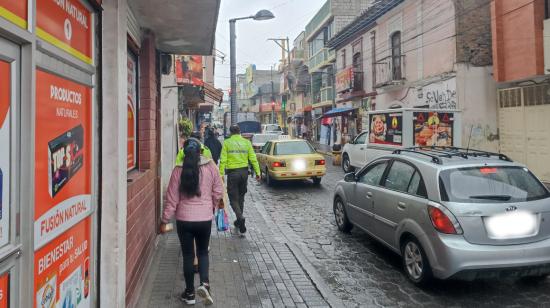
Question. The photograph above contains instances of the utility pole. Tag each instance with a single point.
(272, 98)
(284, 43)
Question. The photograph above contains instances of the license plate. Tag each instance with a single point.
(512, 225)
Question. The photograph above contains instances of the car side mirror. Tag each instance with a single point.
(350, 177)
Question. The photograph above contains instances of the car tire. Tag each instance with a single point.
(341, 217)
(268, 180)
(316, 181)
(346, 164)
(415, 262)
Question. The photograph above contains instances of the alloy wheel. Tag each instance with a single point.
(414, 262)
(339, 214)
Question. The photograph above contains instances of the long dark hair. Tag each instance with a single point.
(189, 181)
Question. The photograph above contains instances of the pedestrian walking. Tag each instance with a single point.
(212, 143)
(194, 191)
(205, 151)
(237, 154)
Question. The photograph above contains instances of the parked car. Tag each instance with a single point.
(291, 159)
(272, 129)
(451, 213)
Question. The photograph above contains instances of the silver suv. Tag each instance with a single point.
(451, 213)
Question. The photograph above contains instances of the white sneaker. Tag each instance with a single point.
(204, 292)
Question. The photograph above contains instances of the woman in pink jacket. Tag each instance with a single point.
(194, 191)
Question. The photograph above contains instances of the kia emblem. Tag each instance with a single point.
(511, 208)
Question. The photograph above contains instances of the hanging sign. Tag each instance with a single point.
(15, 11)
(62, 156)
(4, 290)
(66, 24)
(62, 269)
(5, 99)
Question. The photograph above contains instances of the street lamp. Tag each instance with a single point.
(260, 15)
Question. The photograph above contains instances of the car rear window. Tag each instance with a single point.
(490, 185)
(263, 138)
(295, 147)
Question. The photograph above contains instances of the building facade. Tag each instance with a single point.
(409, 54)
(521, 53)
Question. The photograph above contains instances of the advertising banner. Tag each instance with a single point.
(62, 269)
(386, 128)
(132, 107)
(62, 156)
(66, 24)
(15, 11)
(433, 128)
(344, 80)
(191, 70)
(5, 99)
(4, 290)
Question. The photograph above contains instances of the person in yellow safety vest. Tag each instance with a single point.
(237, 153)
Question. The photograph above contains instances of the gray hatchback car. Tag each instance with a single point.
(451, 213)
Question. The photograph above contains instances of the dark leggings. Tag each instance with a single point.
(198, 231)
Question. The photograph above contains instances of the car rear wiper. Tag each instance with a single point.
(493, 197)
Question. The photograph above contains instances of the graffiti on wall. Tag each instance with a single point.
(440, 95)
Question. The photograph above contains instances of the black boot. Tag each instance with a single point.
(242, 226)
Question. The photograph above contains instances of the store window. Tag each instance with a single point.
(132, 110)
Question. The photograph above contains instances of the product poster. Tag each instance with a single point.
(62, 156)
(62, 270)
(132, 105)
(14, 11)
(4, 290)
(67, 25)
(433, 129)
(386, 128)
(5, 99)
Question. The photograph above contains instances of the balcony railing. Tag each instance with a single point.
(390, 71)
(318, 19)
(321, 59)
(323, 97)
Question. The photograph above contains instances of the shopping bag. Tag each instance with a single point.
(222, 220)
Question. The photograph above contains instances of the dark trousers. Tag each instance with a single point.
(237, 180)
(199, 232)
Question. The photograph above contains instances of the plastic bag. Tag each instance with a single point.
(222, 221)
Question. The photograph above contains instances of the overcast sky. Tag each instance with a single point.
(291, 17)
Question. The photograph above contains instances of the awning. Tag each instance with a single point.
(337, 111)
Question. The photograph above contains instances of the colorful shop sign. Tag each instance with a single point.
(66, 24)
(433, 128)
(62, 269)
(15, 11)
(4, 290)
(386, 129)
(344, 80)
(5, 99)
(62, 156)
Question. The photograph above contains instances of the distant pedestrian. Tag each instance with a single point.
(194, 191)
(237, 154)
(303, 130)
(212, 142)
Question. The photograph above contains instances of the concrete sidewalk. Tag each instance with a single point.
(258, 270)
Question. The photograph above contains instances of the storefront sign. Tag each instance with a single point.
(386, 129)
(132, 107)
(62, 156)
(190, 70)
(433, 129)
(62, 269)
(15, 11)
(344, 80)
(4, 290)
(5, 99)
(66, 24)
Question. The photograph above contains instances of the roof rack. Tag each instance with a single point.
(437, 152)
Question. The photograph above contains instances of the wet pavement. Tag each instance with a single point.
(362, 273)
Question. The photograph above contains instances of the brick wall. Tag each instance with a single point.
(473, 28)
(143, 189)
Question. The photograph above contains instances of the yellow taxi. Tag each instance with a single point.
(291, 159)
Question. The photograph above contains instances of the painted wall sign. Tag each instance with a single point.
(62, 269)
(66, 24)
(132, 108)
(386, 129)
(62, 156)
(15, 11)
(4, 290)
(5, 141)
(440, 95)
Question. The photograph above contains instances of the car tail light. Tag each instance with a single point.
(441, 221)
(278, 164)
(320, 162)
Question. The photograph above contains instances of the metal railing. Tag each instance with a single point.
(390, 70)
(318, 19)
(324, 96)
(321, 59)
